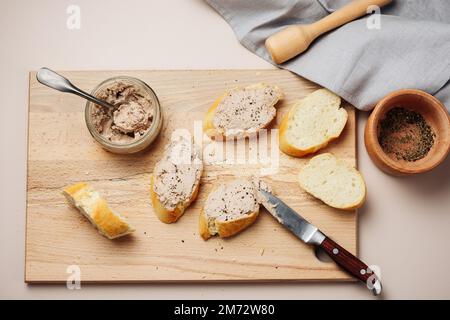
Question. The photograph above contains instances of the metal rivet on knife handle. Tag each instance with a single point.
(352, 265)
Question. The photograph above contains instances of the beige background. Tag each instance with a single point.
(404, 226)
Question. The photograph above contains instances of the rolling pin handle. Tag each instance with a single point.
(295, 39)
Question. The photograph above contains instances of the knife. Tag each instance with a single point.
(310, 234)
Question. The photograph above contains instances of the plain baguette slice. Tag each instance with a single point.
(229, 209)
(312, 123)
(176, 178)
(89, 202)
(333, 181)
(252, 108)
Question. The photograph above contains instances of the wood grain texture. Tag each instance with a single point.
(61, 152)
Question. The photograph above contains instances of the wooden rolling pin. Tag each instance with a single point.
(295, 39)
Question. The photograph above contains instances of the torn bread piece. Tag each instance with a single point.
(230, 208)
(89, 202)
(176, 179)
(333, 181)
(242, 111)
(312, 123)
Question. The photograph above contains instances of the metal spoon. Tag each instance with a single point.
(56, 81)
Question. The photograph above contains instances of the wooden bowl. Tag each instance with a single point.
(435, 115)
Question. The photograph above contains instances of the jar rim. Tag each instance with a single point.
(152, 130)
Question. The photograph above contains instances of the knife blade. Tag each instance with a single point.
(310, 234)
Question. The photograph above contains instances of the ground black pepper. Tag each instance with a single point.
(405, 135)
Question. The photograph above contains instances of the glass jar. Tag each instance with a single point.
(135, 145)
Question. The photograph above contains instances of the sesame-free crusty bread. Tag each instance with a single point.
(229, 209)
(312, 123)
(89, 202)
(242, 111)
(176, 179)
(333, 181)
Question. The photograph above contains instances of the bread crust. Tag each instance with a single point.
(226, 228)
(108, 223)
(292, 150)
(203, 226)
(208, 123)
(73, 189)
(170, 216)
(229, 228)
(284, 145)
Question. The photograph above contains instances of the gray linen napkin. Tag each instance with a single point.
(410, 50)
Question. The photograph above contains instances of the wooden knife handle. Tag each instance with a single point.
(352, 265)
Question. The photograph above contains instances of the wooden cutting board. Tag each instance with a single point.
(61, 152)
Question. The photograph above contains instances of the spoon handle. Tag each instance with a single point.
(56, 81)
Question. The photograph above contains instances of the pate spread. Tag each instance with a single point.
(259, 184)
(246, 109)
(178, 173)
(230, 201)
(131, 118)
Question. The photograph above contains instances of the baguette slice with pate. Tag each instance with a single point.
(312, 123)
(230, 208)
(242, 111)
(176, 179)
(110, 224)
(333, 181)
